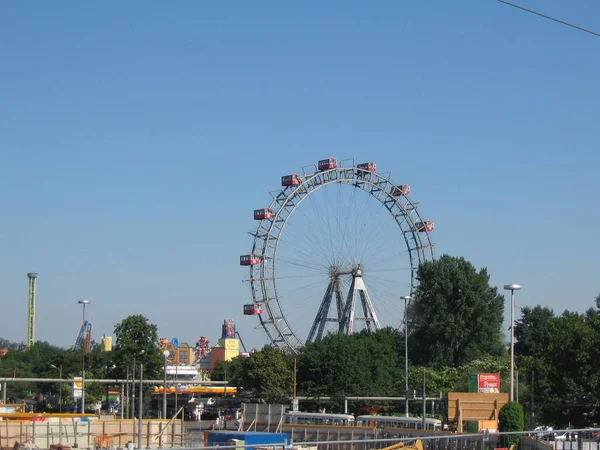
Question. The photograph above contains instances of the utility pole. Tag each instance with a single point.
(424, 401)
(532, 424)
(141, 405)
(294, 398)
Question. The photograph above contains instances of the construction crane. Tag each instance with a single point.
(241, 342)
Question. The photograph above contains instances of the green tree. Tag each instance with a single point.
(359, 364)
(455, 315)
(560, 352)
(230, 371)
(267, 374)
(511, 419)
(136, 341)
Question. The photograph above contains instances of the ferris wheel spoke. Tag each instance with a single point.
(323, 234)
(311, 236)
(398, 269)
(303, 263)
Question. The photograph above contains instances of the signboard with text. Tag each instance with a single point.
(484, 382)
(488, 382)
(77, 387)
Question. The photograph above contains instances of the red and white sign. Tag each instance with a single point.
(489, 382)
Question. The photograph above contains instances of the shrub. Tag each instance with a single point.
(512, 419)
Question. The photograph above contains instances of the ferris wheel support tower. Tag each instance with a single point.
(334, 287)
(358, 290)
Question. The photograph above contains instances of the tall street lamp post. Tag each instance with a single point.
(59, 386)
(83, 349)
(141, 405)
(166, 354)
(512, 288)
(406, 299)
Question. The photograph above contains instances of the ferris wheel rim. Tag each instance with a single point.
(285, 202)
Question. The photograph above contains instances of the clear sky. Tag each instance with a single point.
(136, 138)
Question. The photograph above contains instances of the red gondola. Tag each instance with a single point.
(326, 164)
(264, 213)
(427, 225)
(290, 180)
(368, 166)
(249, 260)
(252, 309)
(401, 189)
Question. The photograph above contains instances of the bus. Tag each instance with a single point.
(304, 418)
(413, 423)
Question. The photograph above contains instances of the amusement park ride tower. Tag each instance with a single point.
(31, 316)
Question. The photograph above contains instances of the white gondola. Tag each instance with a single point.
(413, 423)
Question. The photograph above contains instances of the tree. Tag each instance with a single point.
(136, 341)
(561, 353)
(455, 316)
(365, 364)
(267, 374)
(230, 371)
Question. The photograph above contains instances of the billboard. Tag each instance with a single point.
(77, 387)
(484, 382)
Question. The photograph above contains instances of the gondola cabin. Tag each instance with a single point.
(326, 164)
(401, 189)
(265, 213)
(368, 166)
(252, 309)
(427, 225)
(249, 260)
(290, 180)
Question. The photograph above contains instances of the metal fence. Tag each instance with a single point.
(122, 434)
(389, 437)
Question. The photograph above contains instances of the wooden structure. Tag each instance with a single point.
(463, 406)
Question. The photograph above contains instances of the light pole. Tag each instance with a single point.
(166, 354)
(141, 352)
(406, 299)
(59, 386)
(141, 405)
(512, 288)
(83, 303)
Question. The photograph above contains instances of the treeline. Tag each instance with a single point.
(454, 326)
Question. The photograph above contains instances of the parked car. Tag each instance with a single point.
(566, 436)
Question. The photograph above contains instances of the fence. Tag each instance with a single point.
(90, 434)
(157, 433)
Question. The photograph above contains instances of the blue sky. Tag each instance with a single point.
(136, 139)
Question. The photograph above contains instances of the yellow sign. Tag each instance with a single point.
(77, 387)
(232, 344)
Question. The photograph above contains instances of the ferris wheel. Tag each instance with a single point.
(333, 252)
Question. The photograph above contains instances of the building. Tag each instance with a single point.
(228, 347)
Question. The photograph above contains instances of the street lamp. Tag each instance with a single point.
(83, 348)
(166, 354)
(59, 386)
(141, 405)
(406, 299)
(512, 288)
(141, 352)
